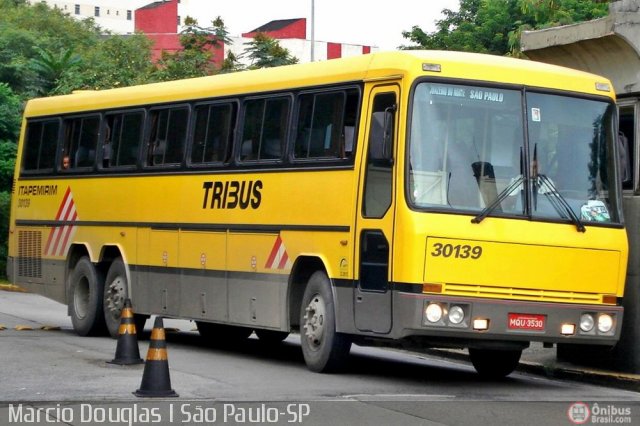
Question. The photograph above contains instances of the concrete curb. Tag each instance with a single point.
(559, 370)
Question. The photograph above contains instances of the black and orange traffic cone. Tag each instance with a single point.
(155, 378)
(127, 352)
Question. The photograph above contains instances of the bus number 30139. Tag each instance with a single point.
(458, 251)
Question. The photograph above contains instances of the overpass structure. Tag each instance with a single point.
(608, 46)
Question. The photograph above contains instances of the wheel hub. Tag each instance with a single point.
(116, 294)
(314, 321)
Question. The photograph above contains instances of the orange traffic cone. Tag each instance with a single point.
(127, 352)
(155, 378)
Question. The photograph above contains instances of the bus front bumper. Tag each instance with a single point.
(474, 320)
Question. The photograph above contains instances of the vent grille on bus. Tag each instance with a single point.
(30, 254)
(470, 290)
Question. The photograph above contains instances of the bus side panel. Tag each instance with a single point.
(203, 278)
(256, 298)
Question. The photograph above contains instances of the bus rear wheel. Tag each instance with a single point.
(86, 285)
(116, 290)
(494, 364)
(324, 349)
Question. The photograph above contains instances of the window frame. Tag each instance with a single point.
(233, 129)
(146, 141)
(62, 142)
(284, 155)
(121, 112)
(299, 161)
(45, 171)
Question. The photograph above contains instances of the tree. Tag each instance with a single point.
(230, 64)
(115, 61)
(494, 26)
(9, 127)
(220, 31)
(51, 67)
(10, 111)
(41, 49)
(195, 57)
(265, 52)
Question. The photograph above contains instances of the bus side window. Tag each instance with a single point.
(40, 145)
(264, 129)
(168, 136)
(213, 133)
(325, 124)
(122, 139)
(80, 142)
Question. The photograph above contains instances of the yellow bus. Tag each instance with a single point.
(423, 199)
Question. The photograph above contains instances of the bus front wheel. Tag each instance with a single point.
(494, 364)
(324, 349)
(86, 285)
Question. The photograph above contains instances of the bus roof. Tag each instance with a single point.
(400, 64)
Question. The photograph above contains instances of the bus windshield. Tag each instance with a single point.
(470, 150)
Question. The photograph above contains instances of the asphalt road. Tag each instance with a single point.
(52, 376)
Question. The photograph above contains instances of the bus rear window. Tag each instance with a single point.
(40, 146)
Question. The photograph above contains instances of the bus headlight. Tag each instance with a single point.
(605, 323)
(456, 315)
(433, 312)
(586, 322)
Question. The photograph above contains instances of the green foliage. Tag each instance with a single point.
(220, 31)
(5, 204)
(52, 67)
(10, 108)
(266, 52)
(7, 163)
(45, 52)
(230, 64)
(494, 26)
(115, 61)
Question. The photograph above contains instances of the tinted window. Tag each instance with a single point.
(40, 145)
(168, 133)
(122, 139)
(265, 129)
(213, 133)
(80, 142)
(326, 125)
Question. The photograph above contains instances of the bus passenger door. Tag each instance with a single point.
(374, 223)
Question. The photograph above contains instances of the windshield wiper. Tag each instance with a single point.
(555, 198)
(499, 199)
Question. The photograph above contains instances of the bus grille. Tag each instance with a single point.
(470, 290)
(30, 254)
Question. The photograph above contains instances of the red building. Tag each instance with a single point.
(282, 29)
(160, 22)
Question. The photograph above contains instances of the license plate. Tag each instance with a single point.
(526, 322)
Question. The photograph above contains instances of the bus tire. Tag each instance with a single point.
(86, 289)
(271, 337)
(494, 364)
(116, 290)
(324, 349)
